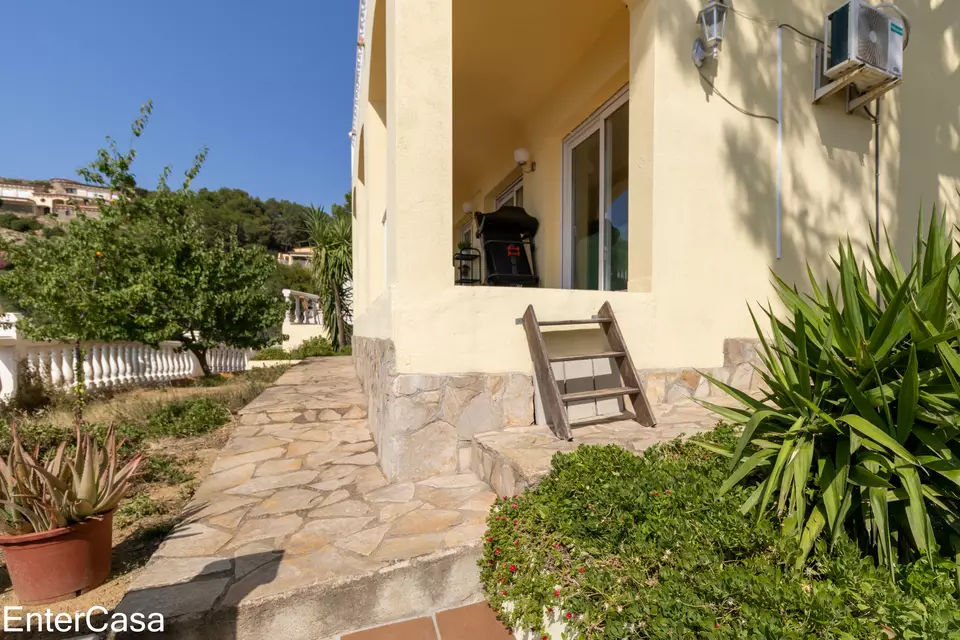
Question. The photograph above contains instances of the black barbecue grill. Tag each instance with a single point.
(510, 256)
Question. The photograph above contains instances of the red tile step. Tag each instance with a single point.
(473, 622)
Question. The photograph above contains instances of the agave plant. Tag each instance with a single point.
(859, 430)
(66, 490)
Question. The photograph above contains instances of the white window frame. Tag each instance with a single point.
(589, 126)
(509, 195)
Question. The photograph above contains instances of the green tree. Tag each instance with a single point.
(331, 238)
(146, 270)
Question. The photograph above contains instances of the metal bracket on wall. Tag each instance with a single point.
(824, 87)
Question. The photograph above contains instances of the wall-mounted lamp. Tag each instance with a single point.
(468, 208)
(713, 21)
(522, 158)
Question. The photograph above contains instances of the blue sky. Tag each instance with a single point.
(267, 86)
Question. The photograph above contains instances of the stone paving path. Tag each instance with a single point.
(296, 499)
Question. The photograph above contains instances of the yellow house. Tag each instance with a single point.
(666, 189)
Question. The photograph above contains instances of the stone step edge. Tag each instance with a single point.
(499, 473)
(412, 588)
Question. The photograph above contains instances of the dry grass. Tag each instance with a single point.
(154, 502)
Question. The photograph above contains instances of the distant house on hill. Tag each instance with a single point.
(61, 197)
(300, 256)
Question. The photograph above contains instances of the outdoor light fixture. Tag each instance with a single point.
(713, 21)
(468, 207)
(522, 158)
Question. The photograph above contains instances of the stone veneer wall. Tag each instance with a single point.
(423, 424)
(739, 370)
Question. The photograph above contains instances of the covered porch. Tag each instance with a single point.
(455, 92)
(541, 120)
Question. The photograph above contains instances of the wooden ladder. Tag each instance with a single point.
(555, 401)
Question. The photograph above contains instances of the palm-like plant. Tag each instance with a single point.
(332, 241)
(859, 432)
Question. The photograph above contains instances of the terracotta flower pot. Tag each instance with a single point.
(63, 563)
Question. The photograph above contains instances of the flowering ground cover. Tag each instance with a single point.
(622, 546)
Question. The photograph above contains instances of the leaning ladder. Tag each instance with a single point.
(555, 401)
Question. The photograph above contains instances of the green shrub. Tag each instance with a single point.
(273, 353)
(621, 546)
(315, 347)
(193, 417)
(859, 430)
(139, 507)
(164, 469)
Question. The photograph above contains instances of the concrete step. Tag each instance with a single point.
(516, 459)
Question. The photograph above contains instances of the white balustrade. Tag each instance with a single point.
(108, 364)
(304, 307)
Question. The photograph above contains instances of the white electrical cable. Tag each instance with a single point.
(779, 143)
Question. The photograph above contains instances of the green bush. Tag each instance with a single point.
(193, 417)
(622, 546)
(859, 430)
(164, 469)
(315, 347)
(16, 223)
(273, 353)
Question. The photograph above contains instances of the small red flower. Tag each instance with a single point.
(489, 539)
(491, 563)
(513, 568)
(544, 638)
(502, 580)
(505, 497)
(656, 493)
(496, 551)
(582, 569)
(514, 522)
(569, 615)
(556, 592)
(514, 505)
(504, 593)
(516, 542)
(550, 610)
(667, 492)
(716, 626)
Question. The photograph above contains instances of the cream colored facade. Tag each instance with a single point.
(449, 88)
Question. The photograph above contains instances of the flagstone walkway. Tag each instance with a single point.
(296, 533)
(296, 501)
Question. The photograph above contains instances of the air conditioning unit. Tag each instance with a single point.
(862, 37)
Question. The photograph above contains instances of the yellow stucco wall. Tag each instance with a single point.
(702, 177)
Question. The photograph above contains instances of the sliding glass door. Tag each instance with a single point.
(596, 219)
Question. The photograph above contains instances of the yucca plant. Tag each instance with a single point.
(69, 488)
(859, 430)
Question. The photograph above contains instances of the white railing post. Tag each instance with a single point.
(122, 364)
(67, 366)
(8, 372)
(55, 377)
(87, 367)
(97, 371)
(114, 379)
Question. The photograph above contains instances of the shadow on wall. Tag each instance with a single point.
(828, 168)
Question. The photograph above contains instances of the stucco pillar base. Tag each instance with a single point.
(424, 424)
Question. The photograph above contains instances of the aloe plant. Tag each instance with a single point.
(69, 488)
(859, 430)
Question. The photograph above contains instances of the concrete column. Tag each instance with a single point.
(419, 143)
(643, 41)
